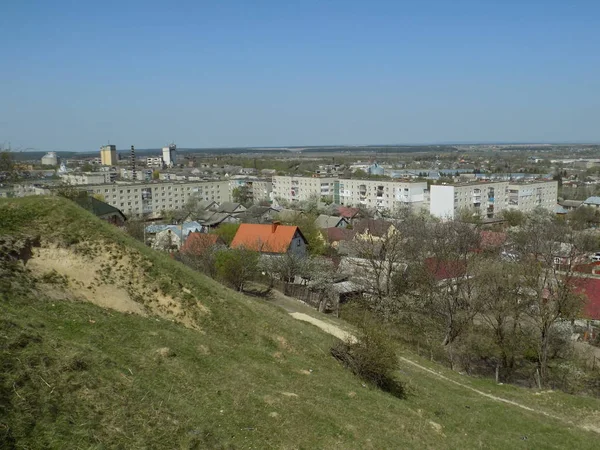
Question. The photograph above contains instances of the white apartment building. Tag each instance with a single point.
(491, 198)
(139, 198)
(294, 189)
(258, 190)
(378, 194)
(529, 196)
(154, 161)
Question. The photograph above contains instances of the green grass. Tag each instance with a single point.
(73, 375)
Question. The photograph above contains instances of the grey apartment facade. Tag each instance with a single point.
(142, 198)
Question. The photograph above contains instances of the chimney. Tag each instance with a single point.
(274, 226)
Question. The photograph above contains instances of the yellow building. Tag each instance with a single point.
(108, 155)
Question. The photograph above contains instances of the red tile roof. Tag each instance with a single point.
(270, 238)
(492, 239)
(590, 287)
(347, 212)
(445, 270)
(197, 243)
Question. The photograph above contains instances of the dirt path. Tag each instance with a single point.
(341, 334)
(326, 327)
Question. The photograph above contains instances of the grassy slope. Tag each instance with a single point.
(76, 375)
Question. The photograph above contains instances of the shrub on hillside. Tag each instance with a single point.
(236, 267)
(371, 356)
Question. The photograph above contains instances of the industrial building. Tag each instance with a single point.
(169, 155)
(50, 159)
(108, 155)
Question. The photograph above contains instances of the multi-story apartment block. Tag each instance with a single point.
(294, 189)
(89, 177)
(529, 196)
(154, 161)
(380, 194)
(487, 199)
(140, 198)
(371, 193)
(258, 190)
(491, 198)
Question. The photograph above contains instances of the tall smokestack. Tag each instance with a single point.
(133, 174)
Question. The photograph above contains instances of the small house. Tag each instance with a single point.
(270, 238)
(102, 210)
(198, 244)
(325, 221)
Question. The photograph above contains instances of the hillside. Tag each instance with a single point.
(105, 343)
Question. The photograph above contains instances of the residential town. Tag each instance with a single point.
(316, 225)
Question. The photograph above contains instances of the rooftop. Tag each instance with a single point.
(592, 201)
(269, 238)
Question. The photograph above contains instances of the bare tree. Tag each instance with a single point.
(284, 267)
(504, 306)
(550, 250)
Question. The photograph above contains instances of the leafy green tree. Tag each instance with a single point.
(469, 215)
(227, 231)
(514, 217)
(316, 242)
(583, 217)
(7, 166)
(241, 195)
(236, 267)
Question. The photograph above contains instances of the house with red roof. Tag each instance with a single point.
(492, 240)
(445, 270)
(348, 213)
(270, 238)
(590, 288)
(198, 243)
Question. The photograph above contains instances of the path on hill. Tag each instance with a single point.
(326, 327)
(336, 331)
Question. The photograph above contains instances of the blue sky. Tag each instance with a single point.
(273, 73)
